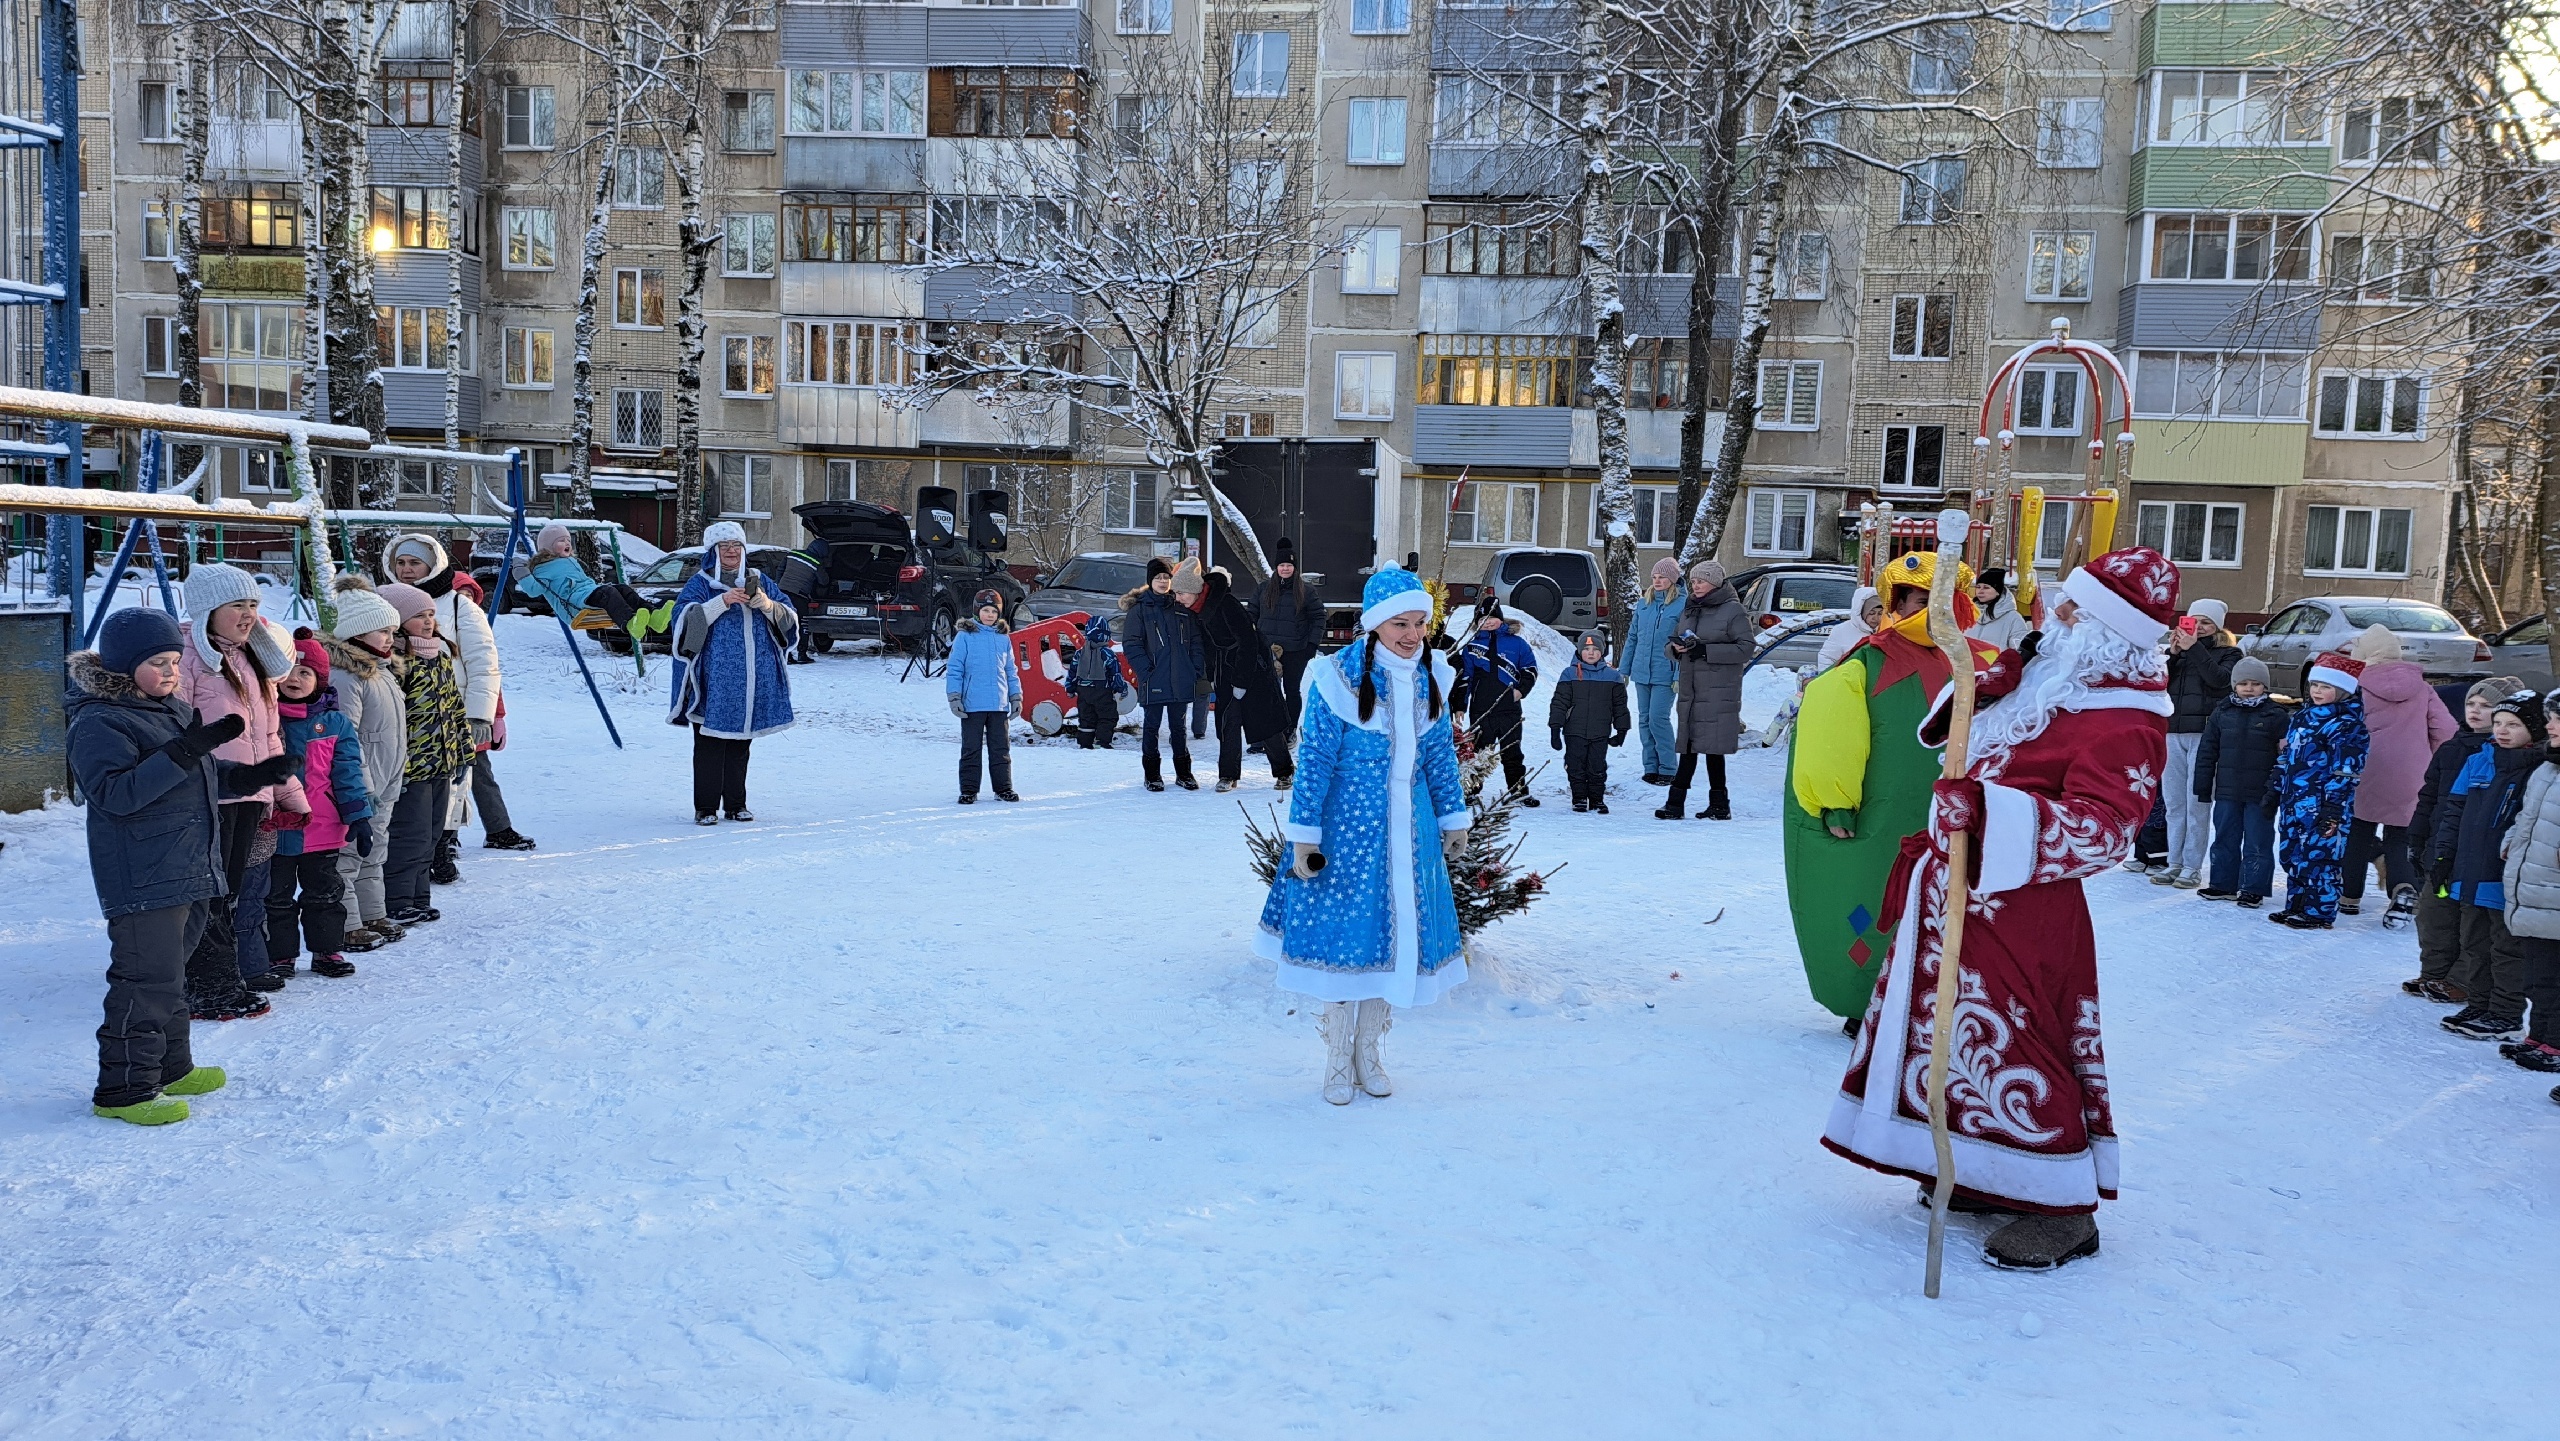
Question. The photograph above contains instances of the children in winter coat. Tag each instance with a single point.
(985, 692)
(2471, 829)
(229, 668)
(2235, 772)
(1586, 718)
(2439, 914)
(369, 696)
(2316, 772)
(1161, 638)
(1496, 672)
(149, 768)
(2533, 899)
(1866, 612)
(1095, 673)
(306, 860)
(439, 745)
(2407, 722)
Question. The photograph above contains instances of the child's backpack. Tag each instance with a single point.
(1096, 664)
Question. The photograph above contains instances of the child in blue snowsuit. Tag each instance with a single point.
(986, 693)
(1095, 673)
(2316, 772)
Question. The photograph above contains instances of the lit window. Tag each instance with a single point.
(639, 300)
(1364, 385)
(527, 359)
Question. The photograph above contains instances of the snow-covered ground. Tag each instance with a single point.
(881, 1118)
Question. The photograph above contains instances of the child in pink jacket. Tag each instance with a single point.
(231, 663)
(307, 845)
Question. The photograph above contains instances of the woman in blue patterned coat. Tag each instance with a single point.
(732, 629)
(1363, 919)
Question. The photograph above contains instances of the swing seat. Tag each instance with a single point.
(591, 618)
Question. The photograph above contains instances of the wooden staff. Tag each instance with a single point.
(1953, 528)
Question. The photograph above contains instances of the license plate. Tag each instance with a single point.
(850, 612)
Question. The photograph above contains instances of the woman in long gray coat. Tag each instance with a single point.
(1712, 646)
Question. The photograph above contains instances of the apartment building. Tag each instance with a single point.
(2175, 197)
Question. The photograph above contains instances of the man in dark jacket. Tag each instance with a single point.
(1247, 684)
(1290, 618)
(2235, 764)
(2439, 914)
(1161, 639)
(1587, 717)
(1496, 670)
(2200, 662)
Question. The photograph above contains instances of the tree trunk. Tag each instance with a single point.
(315, 234)
(195, 120)
(1742, 410)
(2546, 518)
(695, 239)
(459, 57)
(582, 365)
(1603, 303)
(1710, 210)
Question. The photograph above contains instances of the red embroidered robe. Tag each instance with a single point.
(2026, 1080)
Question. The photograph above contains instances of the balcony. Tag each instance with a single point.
(2175, 315)
(1009, 421)
(2233, 35)
(2206, 177)
(2219, 452)
(414, 400)
(1659, 305)
(263, 274)
(811, 287)
(420, 277)
(1470, 39)
(978, 294)
(824, 36)
(843, 415)
(1501, 305)
(415, 155)
(1467, 171)
(253, 149)
(1545, 436)
(850, 163)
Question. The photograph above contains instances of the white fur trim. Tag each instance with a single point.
(2111, 609)
(1340, 693)
(1404, 602)
(1457, 820)
(2326, 676)
(2008, 839)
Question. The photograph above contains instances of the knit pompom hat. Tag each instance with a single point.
(307, 650)
(2375, 645)
(209, 588)
(362, 612)
(550, 538)
(1392, 591)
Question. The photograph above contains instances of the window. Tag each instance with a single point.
(1821, 135)
(1129, 501)
(752, 15)
(1790, 395)
(1658, 374)
(2356, 540)
(636, 419)
(869, 353)
(1262, 63)
(154, 105)
(247, 92)
(1656, 517)
(746, 484)
(160, 345)
(1495, 240)
(747, 244)
(1941, 59)
(1377, 131)
(1914, 456)
(1495, 109)
(1364, 385)
(1370, 259)
(1804, 265)
(1254, 318)
(1933, 192)
(1490, 512)
(2067, 133)
(2359, 406)
(1658, 242)
(1254, 190)
(2079, 14)
(2230, 247)
(1779, 523)
(2223, 107)
(1140, 124)
(531, 244)
(2398, 131)
(243, 469)
(259, 215)
(1501, 370)
(1660, 110)
(416, 101)
(640, 179)
(746, 120)
(527, 358)
(1007, 104)
(1146, 17)
(1247, 424)
(984, 225)
(2190, 532)
(159, 240)
(2370, 268)
(1923, 327)
(857, 102)
(2193, 385)
(1380, 17)
(414, 337)
(531, 14)
(531, 122)
(878, 230)
(746, 365)
(639, 300)
(418, 217)
(2059, 263)
(2049, 400)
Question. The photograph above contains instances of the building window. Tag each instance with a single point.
(1804, 265)
(857, 102)
(2079, 14)
(530, 118)
(2224, 107)
(1262, 63)
(2067, 133)
(869, 353)
(1370, 261)
(528, 358)
(1254, 317)
(1658, 242)
(257, 215)
(414, 337)
(1008, 104)
(160, 345)
(241, 469)
(249, 357)
(1254, 190)
(1941, 59)
(1146, 17)
(1380, 17)
(2230, 247)
(1492, 512)
(1657, 374)
(2359, 406)
(1790, 395)
(2059, 263)
(417, 102)
(752, 15)
(531, 244)
(155, 112)
(159, 239)
(746, 365)
(1933, 192)
(2398, 131)
(2200, 385)
(1496, 240)
(640, 179)
(636, 419)
(1923, 327)
(2190, 532)
(1500, 109)
(419, 217)
(986, 226)
(639, 300)
(1501, 370)
(878, 230)
(1141, 125)
(1779, 524)
(1377, 131)
(2049, 400)
(746, 120)
(1364, 385)
(2356, 540)
(1656, 517)
(1129, 501)
(1247, 424)
(2373, 269)
(747, 244)
(1914, 457)
(746, 485)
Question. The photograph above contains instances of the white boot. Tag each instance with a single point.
(1375, 1017)
(1337, 1024)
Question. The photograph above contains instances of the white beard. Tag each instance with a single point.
(2069, 663)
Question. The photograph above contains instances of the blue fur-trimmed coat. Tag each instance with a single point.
(729, 673)
(2317, 767)
(1379, 920)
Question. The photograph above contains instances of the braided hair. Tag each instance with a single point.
(1369, 681)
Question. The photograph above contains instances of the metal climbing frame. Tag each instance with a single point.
(40, 243)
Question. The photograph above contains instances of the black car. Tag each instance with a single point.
(877, 581)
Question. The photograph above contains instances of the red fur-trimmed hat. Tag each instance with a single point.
(2331, 668)
(2133, 592)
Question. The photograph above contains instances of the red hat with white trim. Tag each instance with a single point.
(2330, 668)
(2133, 592)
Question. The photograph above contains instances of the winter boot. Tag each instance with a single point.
(334, 967)
(1580, 805)
(361, 939)
(1599, 807)
(1185, 781)
(2474, 1024)
(2350, 906)
(1372, 1022)
(1007, 796)
(742, 815)
(2404, 907)
(968, 798)
(1676, 807)
(1521, 794)
(2187, 880)
(390, 930)
(2300, 922)
(2165, 876)
(158, 1111)
(268, 981)
(200, 1081)
(2215, 893)
(706, 818)
(1226, 786)
(2248, 902)
(1338, 1025)
(241, 1007)
(1718, 809)
(2042, 1243)
(507, 840)
(446, 870)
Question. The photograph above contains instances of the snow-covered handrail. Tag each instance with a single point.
(22, 403)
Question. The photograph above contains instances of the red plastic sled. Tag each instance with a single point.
(1048, 700)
